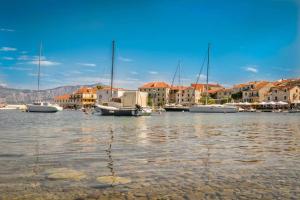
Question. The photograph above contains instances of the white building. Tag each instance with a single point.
(104, 94)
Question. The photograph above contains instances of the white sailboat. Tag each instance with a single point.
(41, 106)
(212, 108)
(111, 109)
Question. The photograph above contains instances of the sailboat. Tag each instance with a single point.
(173, 107)
(41, 106)
(212, 108)
(114, 108)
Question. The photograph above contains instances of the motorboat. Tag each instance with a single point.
(176, 108)
(123, 111)
(43, 107)
(214, 108)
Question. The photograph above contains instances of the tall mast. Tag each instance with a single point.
(112, 69)
(39, 67)
(179, 74)
(208, 49)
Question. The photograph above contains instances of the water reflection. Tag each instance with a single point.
(170, 156)
(110, 164)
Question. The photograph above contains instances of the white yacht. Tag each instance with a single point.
(40, 106)
(212, 108)
(44, 107)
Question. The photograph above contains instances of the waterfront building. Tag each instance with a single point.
(257, 92)
(186, 95)
(286, 91)
(104, 94)
(84, 97)
(158, 92)
(64, 101)
(224, 93)
(202, 87)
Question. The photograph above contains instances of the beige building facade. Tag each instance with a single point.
(158, 92)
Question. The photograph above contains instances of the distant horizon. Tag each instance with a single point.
(251, 40)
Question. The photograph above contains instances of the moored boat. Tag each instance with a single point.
(211, 108)
(176, 108)
(43, 107)
(40, 106)
(112, 108)
(215, 108)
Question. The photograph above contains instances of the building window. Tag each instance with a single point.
(268, 98)
(284, 97)
(275, 98)
(275, 91)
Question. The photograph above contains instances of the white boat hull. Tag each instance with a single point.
(42, 108)
(213, 109)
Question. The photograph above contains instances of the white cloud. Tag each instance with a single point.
(134, 73)
(3, 85)
(87, 64)
(23, 57)
(45, 63)
(201, 78)
(18, 68)
(7, 30)
(7, 58)
(75, 72)
(252, 69)
(35, 74)
(125, 59)
(153, 72)
(8, 49)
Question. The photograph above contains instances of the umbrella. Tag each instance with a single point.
(272, 103)
(263, 103)
(282, 103)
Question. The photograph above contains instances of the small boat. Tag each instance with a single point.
(212, 108)
(294, 111)
(123, 111)
(176, 108)
(40, 106)
(43, 107)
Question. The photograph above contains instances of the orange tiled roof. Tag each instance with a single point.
(214, 91)
(156, 85)
(202, 85)
(260, 85)
(224, 90)
(62, 97)
(179, 88)
(86, 90)
(108, 88)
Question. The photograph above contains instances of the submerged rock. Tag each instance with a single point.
(113, 180)
(65, 173)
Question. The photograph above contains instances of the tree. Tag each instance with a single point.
(238, 95)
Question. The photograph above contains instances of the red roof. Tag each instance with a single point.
(156, 85)
(108, 88)
(86, 90)
(62, 97)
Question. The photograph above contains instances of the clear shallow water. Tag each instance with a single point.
(167, 156)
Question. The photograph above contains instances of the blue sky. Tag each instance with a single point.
(251, 40)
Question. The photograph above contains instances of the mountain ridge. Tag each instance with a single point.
(21, 96)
